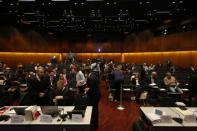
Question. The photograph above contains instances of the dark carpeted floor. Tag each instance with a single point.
(111, 119)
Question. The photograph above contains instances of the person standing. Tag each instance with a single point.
(39, 87)
(118, 80)
(81, 81)
(93, 97)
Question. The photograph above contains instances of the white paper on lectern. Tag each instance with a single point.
(77, 117)
(195, 114)
(184, 112)
(154, 118)
(166, 119)
(189, 119)
(11, 112)
(17, 119)
(46, 118)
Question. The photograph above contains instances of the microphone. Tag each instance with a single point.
(177, 119)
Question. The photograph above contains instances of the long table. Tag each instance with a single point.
(83, 124)
(174, 112)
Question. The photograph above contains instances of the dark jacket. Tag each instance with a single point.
(68, 97)
(35, 87)
(93, 94)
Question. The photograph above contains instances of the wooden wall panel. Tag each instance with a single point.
(13, 58)
(15, 41)
(114, 56)
(180, 58)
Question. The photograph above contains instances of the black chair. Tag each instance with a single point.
(166, 101)
(139, 126)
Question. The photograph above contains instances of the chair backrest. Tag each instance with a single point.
(166, 102)
(127, 80)
(139, 126)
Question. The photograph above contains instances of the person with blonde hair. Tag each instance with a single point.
(62, 96)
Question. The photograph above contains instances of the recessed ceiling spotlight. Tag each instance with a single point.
(94, 0)
(26, 0)
(60, 0)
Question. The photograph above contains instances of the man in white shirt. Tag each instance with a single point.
(95, 67)
(81, 81)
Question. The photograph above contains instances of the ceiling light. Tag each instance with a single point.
(60, 0)
(26, 0)
(94, 0)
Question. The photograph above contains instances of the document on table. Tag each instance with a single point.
(184, 112)
(154, 118)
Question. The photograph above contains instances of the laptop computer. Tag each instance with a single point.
(50, 110)
(80, 107)
(20, 110)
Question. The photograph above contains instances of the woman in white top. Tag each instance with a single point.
(81, 81)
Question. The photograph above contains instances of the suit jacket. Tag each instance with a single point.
(36, 86)
(93, 94)
(193, 83)
(149, 80)
(68, 97)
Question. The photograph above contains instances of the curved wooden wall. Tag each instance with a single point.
(14, 41)
(142, 47)
(179, 58)
(14, 58)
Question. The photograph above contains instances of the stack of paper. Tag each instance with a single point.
(154, 118)
(184, 112)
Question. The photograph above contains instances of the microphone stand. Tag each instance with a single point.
(120, 107)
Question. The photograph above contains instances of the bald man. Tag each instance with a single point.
(153, 78)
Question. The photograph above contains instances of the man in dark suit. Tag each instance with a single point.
(61, 95)
(54, 60)
(192, 85)
(153, 78)
(93, 97)
(152, 81)
(39, 86)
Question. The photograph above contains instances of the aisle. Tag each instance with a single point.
(111, 119)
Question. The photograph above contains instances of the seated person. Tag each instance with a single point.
(61, 96)
(152, 80)
(13, 92)
(135, 79)
(171, 83)
(136, 82)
